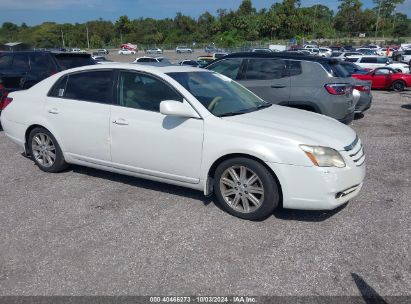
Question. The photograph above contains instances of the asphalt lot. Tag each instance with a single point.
(88, 232)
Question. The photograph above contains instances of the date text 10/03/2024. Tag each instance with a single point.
(200, 299)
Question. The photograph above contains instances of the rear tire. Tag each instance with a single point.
(45, 151)
(246, 189)
(398, 86)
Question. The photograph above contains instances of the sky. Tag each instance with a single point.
(34, 12)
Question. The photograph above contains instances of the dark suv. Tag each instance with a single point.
(306, 82)
(21, 70)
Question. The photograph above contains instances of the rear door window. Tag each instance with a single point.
(21, 62)
(94, 86)
(266, 69)
(42, 63)
(59, 87)
(227, 67)
(294, 68)
(5, 61)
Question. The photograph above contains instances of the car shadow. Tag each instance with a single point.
(279, 213)
(306, 215)
(369, 294)
(142, 183)
(406, 106)
(358, 116)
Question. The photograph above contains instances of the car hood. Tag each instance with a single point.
(299, 126)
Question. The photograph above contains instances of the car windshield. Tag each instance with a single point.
(219, 94)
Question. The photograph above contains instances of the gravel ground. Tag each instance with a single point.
(88, 232)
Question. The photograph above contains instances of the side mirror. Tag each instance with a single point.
(177, 108)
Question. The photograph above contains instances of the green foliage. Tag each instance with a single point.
(227, 28)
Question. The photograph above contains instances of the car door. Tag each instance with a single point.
(268, 78)
(78, 110)
(381, 78)
(147, 142)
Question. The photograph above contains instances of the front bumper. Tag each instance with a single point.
(316, 188)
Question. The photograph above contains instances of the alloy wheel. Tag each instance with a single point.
(242, 189)
(43, 150)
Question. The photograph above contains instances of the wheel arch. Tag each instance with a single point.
(211, 171)
(38, 125)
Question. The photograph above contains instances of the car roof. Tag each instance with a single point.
(282, 55)
(59, 53)
(160, 68)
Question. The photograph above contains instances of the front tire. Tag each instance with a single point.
(45, 151)
(246, 189)
(398, 86)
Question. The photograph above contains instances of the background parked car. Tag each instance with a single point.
(325, 52)
(406, 57)
(126, 52)
(21, 70)
(372, 62)
(154, 51)
(193, 63)
(184, 49)
(210, 49)
(205, 59)
(352, 68)
(367, 52)
(261, 50)
(152, 59)
(386, 78)
(102, 52)
(287, 79)
(344, 55)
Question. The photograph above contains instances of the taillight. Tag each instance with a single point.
(338, 89)
(5, 101)
(363, 88)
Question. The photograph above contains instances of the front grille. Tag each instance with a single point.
(356, 152)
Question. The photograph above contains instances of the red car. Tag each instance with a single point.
(386, 78)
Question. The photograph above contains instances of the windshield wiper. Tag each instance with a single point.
(265, 105)
(234, 113)
(259, 107)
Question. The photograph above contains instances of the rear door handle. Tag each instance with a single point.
(120, 122)
(53, 111)
(278, 86)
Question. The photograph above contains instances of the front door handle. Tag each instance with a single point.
(53, 111)
(120, 122)
(278, 86)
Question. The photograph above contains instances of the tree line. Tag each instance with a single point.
(227, 28)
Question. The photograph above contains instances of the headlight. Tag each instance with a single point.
(323, 156)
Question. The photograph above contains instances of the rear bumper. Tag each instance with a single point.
(315, 188)
(363, 104)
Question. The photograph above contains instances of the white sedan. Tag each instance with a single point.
(188, 127)
(373, 62)
(126, 52)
